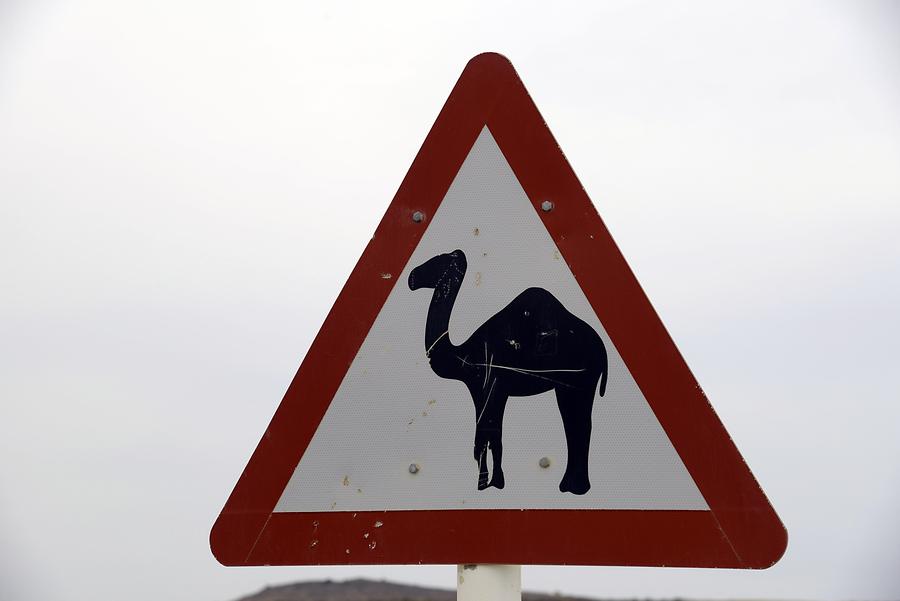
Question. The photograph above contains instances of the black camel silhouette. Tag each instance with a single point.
(530, 346)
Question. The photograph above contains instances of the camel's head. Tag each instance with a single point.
(436, 269)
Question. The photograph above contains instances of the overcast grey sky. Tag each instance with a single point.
(185, 186)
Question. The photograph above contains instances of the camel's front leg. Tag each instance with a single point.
(480, 452)
(496, 446)
(494, 426)
(489, 434)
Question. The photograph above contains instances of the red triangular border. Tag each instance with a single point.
(741, 530)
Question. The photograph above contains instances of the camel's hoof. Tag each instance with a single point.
(482, 484)
(498, 481)
(578, 488)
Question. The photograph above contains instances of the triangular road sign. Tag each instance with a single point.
(493, 386)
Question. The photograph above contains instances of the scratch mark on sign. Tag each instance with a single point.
(428, 351)
(486, 401)
(487, 372)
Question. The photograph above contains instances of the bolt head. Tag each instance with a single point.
(418, 216)
(547, 206)
(413, 468)
(544, 462)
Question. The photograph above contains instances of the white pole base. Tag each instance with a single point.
(479, 582)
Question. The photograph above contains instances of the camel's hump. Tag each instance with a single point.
(536, 301)
(538, 295)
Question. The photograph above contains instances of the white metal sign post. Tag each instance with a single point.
(476, 582)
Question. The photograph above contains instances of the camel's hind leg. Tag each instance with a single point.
(575, 407)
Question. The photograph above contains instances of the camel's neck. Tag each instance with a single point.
(437, 337)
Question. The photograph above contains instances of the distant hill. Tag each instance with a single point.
(370, 590)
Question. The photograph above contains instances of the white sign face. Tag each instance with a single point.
(397, 436)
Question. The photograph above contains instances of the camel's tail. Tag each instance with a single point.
(602, 389)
